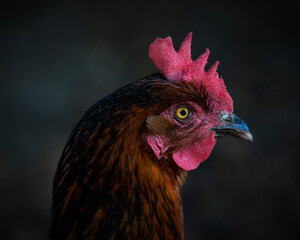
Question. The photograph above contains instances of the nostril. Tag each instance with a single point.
(226, 117)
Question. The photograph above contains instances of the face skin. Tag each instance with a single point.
(183, 132)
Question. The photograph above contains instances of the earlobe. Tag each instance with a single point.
(157, 145)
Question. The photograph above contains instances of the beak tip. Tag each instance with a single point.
(248, 136)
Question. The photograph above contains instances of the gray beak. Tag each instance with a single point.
(234, 126)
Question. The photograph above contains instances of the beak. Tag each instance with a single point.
(234, 126)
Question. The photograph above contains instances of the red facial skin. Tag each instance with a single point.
(190, 157)
(193, 136)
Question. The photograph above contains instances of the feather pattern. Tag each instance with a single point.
(108, 184)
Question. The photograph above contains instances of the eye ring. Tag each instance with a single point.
(182, 113)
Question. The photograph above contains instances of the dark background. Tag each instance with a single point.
(57, 59)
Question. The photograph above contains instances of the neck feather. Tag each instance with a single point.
(121, 191)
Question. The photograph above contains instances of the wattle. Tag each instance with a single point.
(189, 157)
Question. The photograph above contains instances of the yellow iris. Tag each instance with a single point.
(182, 112)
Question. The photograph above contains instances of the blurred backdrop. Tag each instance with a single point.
(58, 58)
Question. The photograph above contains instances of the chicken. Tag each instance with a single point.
(120, 174)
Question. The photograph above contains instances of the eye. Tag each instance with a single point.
(183, 113)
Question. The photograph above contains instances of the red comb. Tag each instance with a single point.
(177, 66)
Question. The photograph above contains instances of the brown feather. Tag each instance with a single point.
(108, 183)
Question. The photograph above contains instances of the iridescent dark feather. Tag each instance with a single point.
(109, 184)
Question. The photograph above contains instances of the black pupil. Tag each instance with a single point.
(183, 112)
